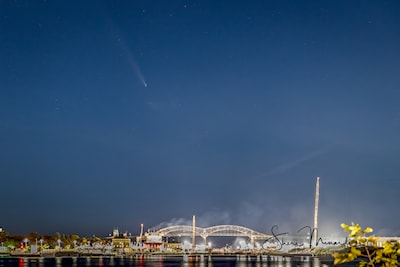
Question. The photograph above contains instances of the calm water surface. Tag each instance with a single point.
(163, 261)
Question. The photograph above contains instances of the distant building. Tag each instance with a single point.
(119, 240)
(115, 232)
(152, 241)
(175, 246)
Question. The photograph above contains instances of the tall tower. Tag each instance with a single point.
(315, 230)
(141, 229)
(194, 232)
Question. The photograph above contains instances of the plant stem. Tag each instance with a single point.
(369, 256)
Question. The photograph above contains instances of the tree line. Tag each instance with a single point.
(46, 241)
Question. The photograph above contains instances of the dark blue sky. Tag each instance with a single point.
(116, 113)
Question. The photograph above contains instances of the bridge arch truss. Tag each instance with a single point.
(218, 230)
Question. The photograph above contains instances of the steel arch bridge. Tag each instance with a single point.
(218, 230)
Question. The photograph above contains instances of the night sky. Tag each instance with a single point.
(117, 113)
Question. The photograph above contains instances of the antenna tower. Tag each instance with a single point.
(315, 230)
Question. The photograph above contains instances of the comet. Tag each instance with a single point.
(131, 60)
(121, 43)
(134, 66)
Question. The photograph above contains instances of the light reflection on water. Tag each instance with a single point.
(171, 261)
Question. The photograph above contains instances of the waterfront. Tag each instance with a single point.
(170, 261)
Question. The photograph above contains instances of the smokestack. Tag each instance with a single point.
(315, 230)
(194, 232)
(141, 230)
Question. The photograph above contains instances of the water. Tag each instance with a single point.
(170, 261)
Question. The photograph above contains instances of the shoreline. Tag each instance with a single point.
(151, 254)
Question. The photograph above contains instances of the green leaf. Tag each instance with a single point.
(341, 258)
(368, 230)
(385, 255)
(345, 227)
(355, 251)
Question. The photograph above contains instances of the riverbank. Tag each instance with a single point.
(74, 253)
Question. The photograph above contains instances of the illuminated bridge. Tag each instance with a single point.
(218, 230)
